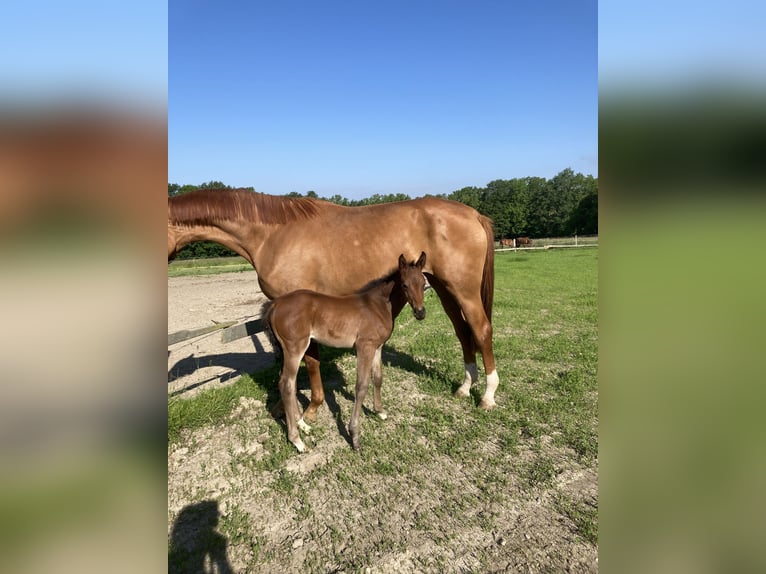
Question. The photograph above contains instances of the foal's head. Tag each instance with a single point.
(413, 283)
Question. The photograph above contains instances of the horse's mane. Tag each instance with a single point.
(206, 206)
(393, 276)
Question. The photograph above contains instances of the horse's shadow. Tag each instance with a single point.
(239, 363)
(265, 366)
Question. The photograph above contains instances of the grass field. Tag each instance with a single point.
(210, 266)
(440, 485)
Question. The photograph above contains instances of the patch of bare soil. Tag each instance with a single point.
(238, 503)
(205, 361)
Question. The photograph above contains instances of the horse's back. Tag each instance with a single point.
(341, 249)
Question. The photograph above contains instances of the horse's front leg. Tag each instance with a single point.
(377, 382)
(311, 359)
(464, 335)
(364, 357)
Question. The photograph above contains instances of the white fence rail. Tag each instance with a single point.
(553, 243)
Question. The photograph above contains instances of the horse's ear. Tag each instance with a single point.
(422, 261)
(402, 261)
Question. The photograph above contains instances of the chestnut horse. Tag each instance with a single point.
(363, 321)
(305, 243)
(507, 243)
(523, 241)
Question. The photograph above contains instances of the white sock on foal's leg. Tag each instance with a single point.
(471, 376)
(303, 426)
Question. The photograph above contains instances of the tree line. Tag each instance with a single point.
(566, 204)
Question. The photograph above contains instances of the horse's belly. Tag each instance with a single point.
(332, 339)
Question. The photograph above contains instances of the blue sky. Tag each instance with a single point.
(357, 98)
(105, 50)
(360, 97)
(678, 43)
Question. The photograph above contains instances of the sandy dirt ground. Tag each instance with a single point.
(205, 361)
(297, 516)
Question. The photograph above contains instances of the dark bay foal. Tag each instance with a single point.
(363, 321)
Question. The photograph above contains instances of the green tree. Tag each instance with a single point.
(506, 202)
(495, 202)
(378, 198)
(584, 219)
(470, 196)
(337, 199)
(553, 202)
(175, 189)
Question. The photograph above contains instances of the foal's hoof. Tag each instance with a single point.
(300, 446)
(487, 404)
(304, 428)
(462, 393)
(310, 415)
(354, 441)
(382, 415)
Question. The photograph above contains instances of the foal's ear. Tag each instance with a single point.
(422, 261)
(402, 261)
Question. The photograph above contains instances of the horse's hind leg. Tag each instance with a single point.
(377, 383)
(464, 335)
(473, 311)
(311, 359)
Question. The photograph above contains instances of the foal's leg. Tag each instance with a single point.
(287, 390)
(464, 335)
(311, 358)
(364, 357)
(377, 382)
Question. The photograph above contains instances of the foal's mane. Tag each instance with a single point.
(207, 206)
(393, 276)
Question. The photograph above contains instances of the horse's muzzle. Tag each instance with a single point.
(420, 314)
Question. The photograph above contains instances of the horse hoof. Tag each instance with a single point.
(383, 416)
(305, 428)
(487, 404)
(310, 416)
(462, 393)
(300, 446)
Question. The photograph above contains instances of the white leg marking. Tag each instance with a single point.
(488, 400)
(303, 426)
(383, 416)
(300, 446)
(471, 376)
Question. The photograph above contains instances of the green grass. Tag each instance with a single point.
(439, 466)
(211, 266)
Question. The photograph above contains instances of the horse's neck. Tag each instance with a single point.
(233, 235)
(381, 296)
(398, 301)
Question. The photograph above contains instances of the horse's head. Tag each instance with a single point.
(413, 284)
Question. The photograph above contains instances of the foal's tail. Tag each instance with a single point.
(267, 310)
(488, 275)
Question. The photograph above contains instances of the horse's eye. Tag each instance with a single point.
(404, 286)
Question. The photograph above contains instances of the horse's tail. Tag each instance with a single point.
(267, 310)
(488, 275)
